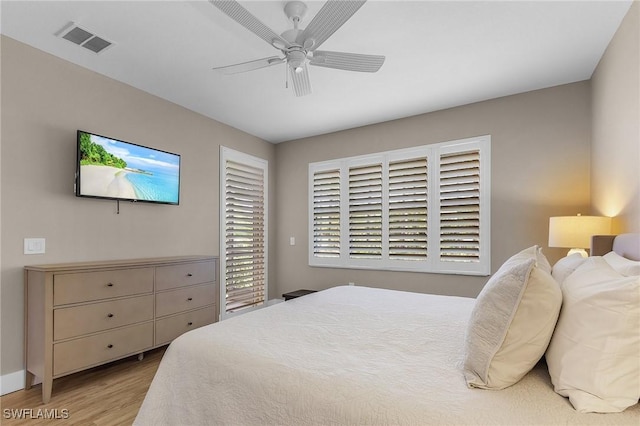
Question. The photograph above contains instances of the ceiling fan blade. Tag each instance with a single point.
(235, 11)
(329, 18)
(250, 66)
(347, 61)
(301, 82)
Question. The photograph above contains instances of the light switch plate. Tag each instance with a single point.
(34, 246)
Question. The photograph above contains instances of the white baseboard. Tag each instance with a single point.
(12, 382)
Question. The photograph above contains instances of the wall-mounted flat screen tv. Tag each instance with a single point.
(116, 170)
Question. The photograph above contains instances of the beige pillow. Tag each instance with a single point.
(541, 259)
(594, 355)
(534, 252)
(512, 322)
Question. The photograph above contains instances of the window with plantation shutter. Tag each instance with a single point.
(365, 212)
(243, 233)
(423, 209)
(325, 212)
(408, 180)
(460, 206)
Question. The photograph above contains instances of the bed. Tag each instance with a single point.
(348, 355)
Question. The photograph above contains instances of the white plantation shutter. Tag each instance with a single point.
(243, 234)
(365, 212)
(326, 213)
(408, 181)
(460, 207)
(421, 209)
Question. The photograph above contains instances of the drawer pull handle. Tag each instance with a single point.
(109, 346)
(110, 285)
(189, 274)
(189, 323)
(189, 299)
(110, 315)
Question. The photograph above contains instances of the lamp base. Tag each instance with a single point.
(582, 252)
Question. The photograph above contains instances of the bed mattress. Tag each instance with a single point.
(346, 355)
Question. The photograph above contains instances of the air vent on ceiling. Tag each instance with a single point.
(84, 38)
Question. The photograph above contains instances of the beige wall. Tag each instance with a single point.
(615, 188)
(44, 101)
(540, 168)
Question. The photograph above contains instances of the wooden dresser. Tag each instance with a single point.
(80, 315)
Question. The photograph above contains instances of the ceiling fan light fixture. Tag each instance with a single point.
(296, 65)
(296, 60)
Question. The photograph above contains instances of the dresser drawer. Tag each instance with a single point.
(87, 351)
(169, 328)
(88, 286)
(78, 320)
(174, 301)
(174, 276)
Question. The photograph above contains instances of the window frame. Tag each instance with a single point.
(433, 262)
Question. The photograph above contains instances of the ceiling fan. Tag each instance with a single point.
(299, 46)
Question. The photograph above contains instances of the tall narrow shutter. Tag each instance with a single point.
(326, 213)
(365, 211)
(408, 209)
(460, 207)
(244, 236)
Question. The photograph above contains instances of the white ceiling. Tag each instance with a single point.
(439, 54)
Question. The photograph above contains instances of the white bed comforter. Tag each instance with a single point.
(347, 355)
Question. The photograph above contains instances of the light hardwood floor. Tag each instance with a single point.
(107, 395)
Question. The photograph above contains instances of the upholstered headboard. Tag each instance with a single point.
(626, 245)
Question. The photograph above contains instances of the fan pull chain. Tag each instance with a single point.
(286, 76)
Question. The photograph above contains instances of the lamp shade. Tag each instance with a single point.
(576, 231)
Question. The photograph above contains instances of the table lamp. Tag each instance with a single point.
(575, 232)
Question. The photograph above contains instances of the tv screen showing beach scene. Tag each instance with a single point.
(113, 169)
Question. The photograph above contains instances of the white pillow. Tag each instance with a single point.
(565, 266)
(623, 266)
(594, 355)
(512, 322)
